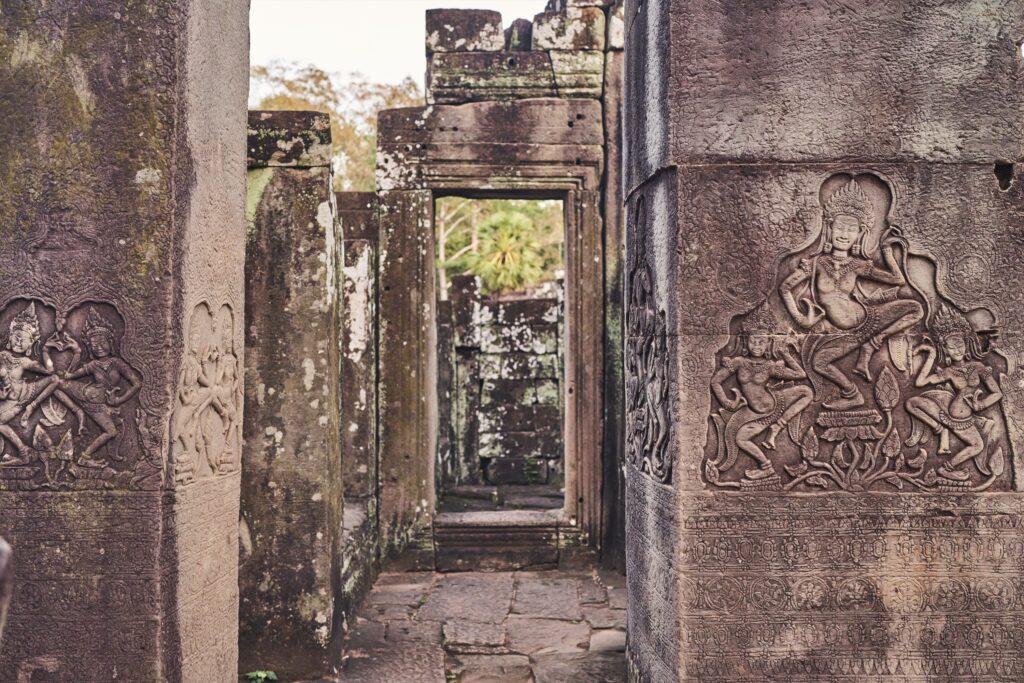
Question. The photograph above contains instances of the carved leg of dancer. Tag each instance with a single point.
(924, 410)
(745, 441)
(975, 445)
(904, 314)
(46, 387)
(73, 407)
(797, 398)
(109, 432)
(23, 452)
(829, 353)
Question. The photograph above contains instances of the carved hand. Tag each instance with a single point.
(738, 401)
(113, 395)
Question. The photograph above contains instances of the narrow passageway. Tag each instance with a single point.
(501, 627)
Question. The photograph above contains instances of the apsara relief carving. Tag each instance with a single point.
(206, 436)
(856, 373)
(647, 366)
(69, 410)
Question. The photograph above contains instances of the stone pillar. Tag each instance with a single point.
(613, 491)
(292, 483)
(122, 210)
(824, 349)
(408, 366)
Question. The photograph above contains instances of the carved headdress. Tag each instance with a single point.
(26, 321)
(96, 325)
(849, 200)
(948, 321)
(761, 320)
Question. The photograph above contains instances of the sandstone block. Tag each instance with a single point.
(570, 29)
(464, 30)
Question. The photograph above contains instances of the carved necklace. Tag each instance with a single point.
(837, 270)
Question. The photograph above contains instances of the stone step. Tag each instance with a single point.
(496, 541)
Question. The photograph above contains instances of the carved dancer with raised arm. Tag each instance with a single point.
(105, 392)
(831, 299)
(758, 404)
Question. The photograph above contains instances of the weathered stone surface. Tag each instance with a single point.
(570, 29)
(485, 143)
(547, 598)
(492, 669)
(476, 597)
(587, 667)
(357, 218)
(457, 77)
(747, 82)
(300, 139)
(121, 201)
(533, 636)
(474, 641)
(464, 30)
(861, 537)
(516, 539)
(291, 492)
(608, 640)
(461, 635)
(616, 39)
(408, 366)
(613, 485)
(6, 583)
(519, 36)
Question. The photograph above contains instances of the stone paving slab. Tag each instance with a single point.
(532, 636)
(581, 667)
(472, 596)
(501, 627)
(549, 597)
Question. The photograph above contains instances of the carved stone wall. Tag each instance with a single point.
(824, 341)
(121, 206)
(506, 388)
(292, 482)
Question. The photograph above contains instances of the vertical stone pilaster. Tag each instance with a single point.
(408, 365)
(357, 214)
(121, 206)
(292, 482)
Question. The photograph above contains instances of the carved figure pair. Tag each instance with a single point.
(209, 381)
(99, 397)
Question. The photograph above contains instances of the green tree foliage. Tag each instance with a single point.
(353, 103)
(512, 245)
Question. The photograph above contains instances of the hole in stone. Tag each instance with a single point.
(572, 123)
(580, 117)
(1004, 175)
(511, 61)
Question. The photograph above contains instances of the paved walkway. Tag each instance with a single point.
(501, 627)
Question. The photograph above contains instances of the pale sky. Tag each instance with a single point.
(382, 39)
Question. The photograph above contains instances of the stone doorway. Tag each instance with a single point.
(501, 384)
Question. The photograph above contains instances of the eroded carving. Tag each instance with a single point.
(877, 380)
(206, 424)
(63, 422)
(647, 371)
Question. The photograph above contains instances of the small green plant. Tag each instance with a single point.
(261, 676)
